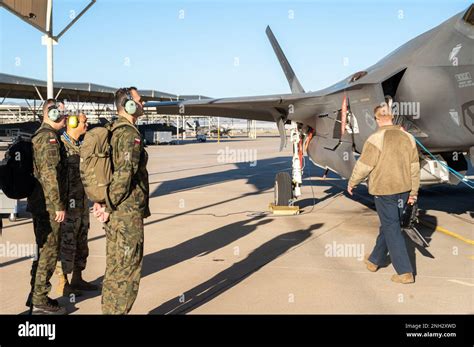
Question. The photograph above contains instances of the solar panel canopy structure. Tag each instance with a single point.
(17, 87)
(30, 11)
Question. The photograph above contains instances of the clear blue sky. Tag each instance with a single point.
(197, 54)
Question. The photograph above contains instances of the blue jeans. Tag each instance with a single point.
(390, 240)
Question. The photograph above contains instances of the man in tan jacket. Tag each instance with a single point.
(390, 160)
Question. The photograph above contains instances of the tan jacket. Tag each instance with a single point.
(390, 160)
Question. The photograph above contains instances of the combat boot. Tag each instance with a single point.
(403, 278)
(49, 307)
(70, 290)
(77, 282)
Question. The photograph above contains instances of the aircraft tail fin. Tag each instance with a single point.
(293, 81)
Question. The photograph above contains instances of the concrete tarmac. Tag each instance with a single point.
(212, 247)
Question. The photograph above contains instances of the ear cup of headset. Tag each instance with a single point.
(53, 113)
(72, 121)
(130, 107)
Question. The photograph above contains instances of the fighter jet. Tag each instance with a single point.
(428, 82)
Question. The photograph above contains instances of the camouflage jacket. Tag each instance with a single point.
(129, 189)
(76, 196)
(48, 169)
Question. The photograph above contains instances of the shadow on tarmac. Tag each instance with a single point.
(454, 199)
(236, 273)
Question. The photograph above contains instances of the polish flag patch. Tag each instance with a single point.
(137, 141)
(53, 141)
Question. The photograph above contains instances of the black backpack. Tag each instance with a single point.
(16, 176)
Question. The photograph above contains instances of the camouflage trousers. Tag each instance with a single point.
(47, 238)
(124, 232)
(73, 251)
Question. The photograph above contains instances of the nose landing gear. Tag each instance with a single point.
(288, 189)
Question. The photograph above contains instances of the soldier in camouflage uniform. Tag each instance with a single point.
(126, 207)
(47, 206)
(74, 249)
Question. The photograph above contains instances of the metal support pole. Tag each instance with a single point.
(177, 128)
(59, 92)
(6, 95)
(49, 59)
(75, 19)
(218, 129)
(49, 49)
(184, 128)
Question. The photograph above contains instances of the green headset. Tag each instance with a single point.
(129, 105)
(53, 112)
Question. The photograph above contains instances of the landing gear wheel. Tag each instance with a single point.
(283, 190)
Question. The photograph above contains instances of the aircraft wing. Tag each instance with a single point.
(266, 108)
(271, 108)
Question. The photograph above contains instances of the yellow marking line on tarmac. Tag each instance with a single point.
(462, 282)
(437, 228)
(447, 232)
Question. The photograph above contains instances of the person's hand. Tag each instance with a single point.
(96, 209)
(104, 217)
(60, 215)
(412, 199)
(349, 189)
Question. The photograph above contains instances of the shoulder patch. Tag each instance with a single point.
(53, 141)
(137, 141)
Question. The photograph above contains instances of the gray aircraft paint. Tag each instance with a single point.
(434, 69)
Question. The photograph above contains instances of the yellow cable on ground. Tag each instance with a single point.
(447, 232)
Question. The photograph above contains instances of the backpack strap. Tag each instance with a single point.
(112, 127)
(121, 125)
(44, 130)
(99, 155)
